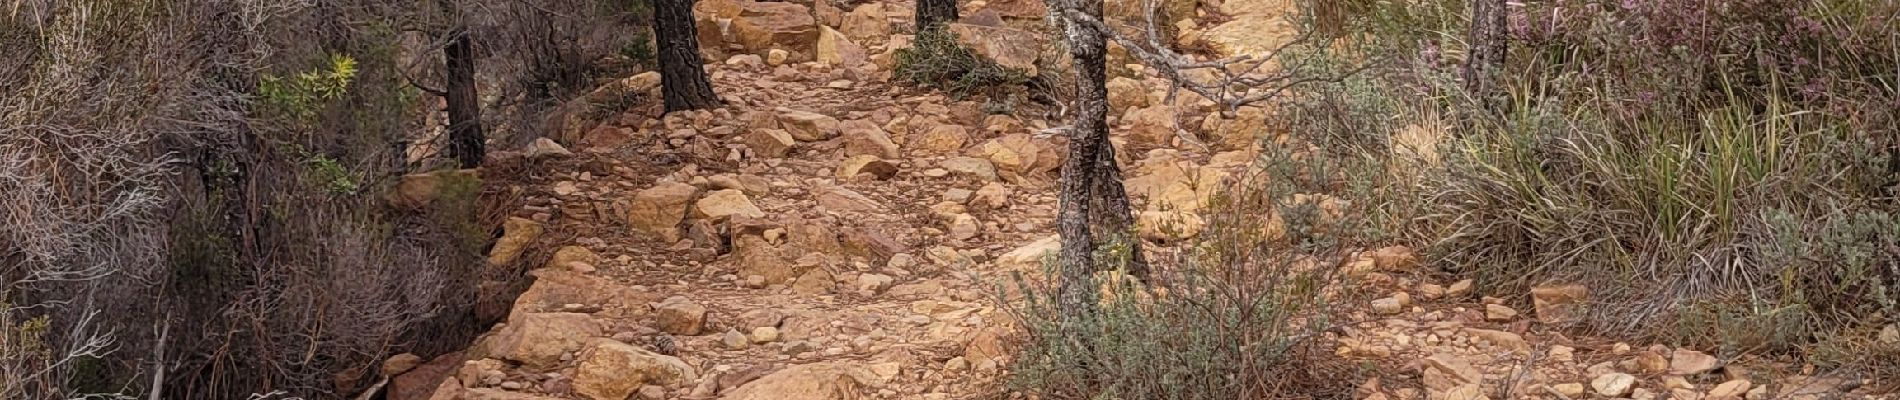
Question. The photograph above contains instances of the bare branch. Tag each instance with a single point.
(1230, 82)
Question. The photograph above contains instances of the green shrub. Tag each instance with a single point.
(639, 49)
(936, 60)
(298, 98)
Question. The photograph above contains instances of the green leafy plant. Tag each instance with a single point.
(331, 175)
(639, 49)
(300, 96)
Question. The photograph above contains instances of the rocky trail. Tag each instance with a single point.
(830, 234)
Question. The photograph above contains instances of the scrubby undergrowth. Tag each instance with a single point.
(1241, 311)
(1720, 174)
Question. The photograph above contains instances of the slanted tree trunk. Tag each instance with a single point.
(682, 73)
(465, 110)
(1488, 47)
(935, 12)
(1094, 210)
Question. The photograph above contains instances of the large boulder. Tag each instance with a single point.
(538, 339)
(866, 164)
(838, 198)
(658, 210)
(422, 382)
(761, 26)
(489, 394)
(1009, 47)
(554, 288)
(1559, 304)
(1018, 9)
(419, 190)
(726, 203)
(866, 23)
(980, 169)
(567, 256)
(681, 316)
(516, 235)
(866, 138)
(1239, 132)
(940, 138)
(570, 124)
(770, 143)
(1175, 185)
(1125, 93)
(1131, 12)
(611, 370)
(758, 257)
(1029, 257)
(1444, 372)
(1019, 156)
(821, 381)
(1255, 35)
(835, 49)
(1169, 225)
(1153, 126)
(807, 126)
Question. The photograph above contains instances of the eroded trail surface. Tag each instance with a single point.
(830, 234)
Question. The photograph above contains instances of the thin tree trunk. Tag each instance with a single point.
(934, 12)
(465, 110)
(1082, 205)
(1488, 47)
(682, 73)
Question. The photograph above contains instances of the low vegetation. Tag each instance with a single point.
(192, 193)
(936, 60)
(1239, 312)
(1720, 174)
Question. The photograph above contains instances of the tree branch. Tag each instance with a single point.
(1236, 81)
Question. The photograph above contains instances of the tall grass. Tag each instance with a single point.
(1721, 174)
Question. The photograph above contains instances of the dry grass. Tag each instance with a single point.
(1720, 173)
(190, 200)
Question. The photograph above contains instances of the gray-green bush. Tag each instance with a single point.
(1240, 311)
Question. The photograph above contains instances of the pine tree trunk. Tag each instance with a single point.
(935, 12)
(1485, 59)
(682, 73)
(1109, 211)
(1094, 210)
(465, 110)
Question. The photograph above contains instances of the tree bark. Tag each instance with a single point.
(935, 12)
(682, 72)
(1094, 210)
(1488, 47)
(1109, 210)
(465, 110)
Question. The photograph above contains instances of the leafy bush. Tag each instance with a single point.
(935, 59)
(297, 98)
(1719, 173)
